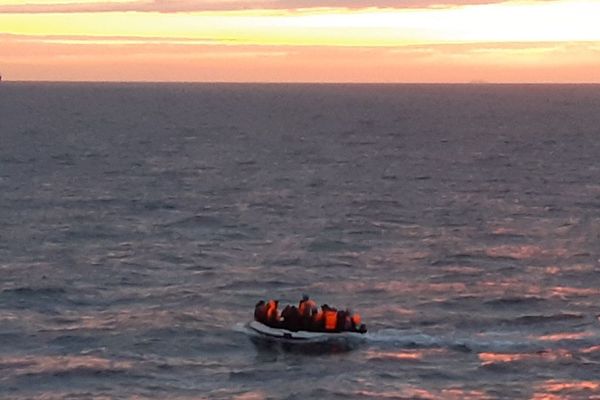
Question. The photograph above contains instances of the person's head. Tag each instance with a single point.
(305, 297)
(260, 303)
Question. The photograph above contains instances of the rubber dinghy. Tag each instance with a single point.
(305, 324)
(260, 330)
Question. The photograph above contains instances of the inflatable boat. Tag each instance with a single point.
(305, 327)
(259, 330)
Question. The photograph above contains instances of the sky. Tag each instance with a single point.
(407, 41)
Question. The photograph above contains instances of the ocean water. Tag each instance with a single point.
(140, 223)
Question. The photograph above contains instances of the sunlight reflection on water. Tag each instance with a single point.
(139, 225)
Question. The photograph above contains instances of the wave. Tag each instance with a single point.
(402, 338)
(197, 222)
(31, 291)
(541, 319)
(67, 365)
(514, 301)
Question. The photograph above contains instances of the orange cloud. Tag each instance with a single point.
(78, 6)
(552, 41)
(558, 21)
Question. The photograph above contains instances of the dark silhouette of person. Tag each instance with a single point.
(272, 313)
(260, 312)
(291, 318)
(343, 322)
(307, 309)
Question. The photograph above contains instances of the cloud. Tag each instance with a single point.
(563, 21)
(301, 40)
(155, 59)
(166, 6)
(107, 39)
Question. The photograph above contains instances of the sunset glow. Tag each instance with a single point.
(194, 40)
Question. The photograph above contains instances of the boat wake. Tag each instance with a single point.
(512, 341)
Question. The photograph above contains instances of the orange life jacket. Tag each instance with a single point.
(302, 307)
(330, 320)
(272, 311)
(356, 320)
(319, 316)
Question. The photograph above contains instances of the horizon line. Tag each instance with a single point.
(473, 83)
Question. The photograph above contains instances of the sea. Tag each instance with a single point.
(140, 223)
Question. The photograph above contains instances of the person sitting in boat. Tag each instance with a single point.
(330, 315)
(260, 312)
(307, 307)
(266, 313)
(272, 313)
(291, 319)
(317, 323)
(343, 322)
(328, 319)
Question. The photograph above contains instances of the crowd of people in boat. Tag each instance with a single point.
(307, 317)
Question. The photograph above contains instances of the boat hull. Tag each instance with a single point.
(260, 330)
